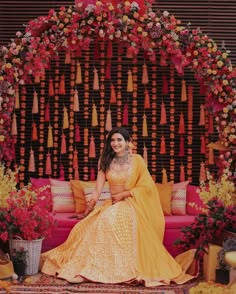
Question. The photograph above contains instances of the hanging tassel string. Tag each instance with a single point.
(31, 167)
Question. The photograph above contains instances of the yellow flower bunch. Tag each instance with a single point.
(211, 288)
(7, 183)
(222, 189)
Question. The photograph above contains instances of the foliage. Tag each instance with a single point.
(19, 255)
(211, 288)
(25, 217)
(220, 215)
(7, 183)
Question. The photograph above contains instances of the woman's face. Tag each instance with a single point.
(118, 143)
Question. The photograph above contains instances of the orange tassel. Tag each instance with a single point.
(145, 155)
(47, 112)
(203, 145)
(50, 137)
(211, 156)
(145, 79)
(130, 87)
(17, 99)
(76, 174)
(146, 99)
(163, 120)
(92, 151)
(31, 167)
(37, 78)
(75, 159)
(108, 126)
(67, 57)
(202, 115)
(78, 74)
(94, 116)
(65, 118)
(163, 145)
(145, 129)
(95, 80)
(164, 176)
(62, 172)
(34, 132)
(63, 143)
(50, 88)
(14, 125)
(48, 165)
(77, 133)
(202, 176)
(182, 175)
(183, 91)
(181, 124)
(62, 88)
(76, 102)
(35, 108)
(112, 95)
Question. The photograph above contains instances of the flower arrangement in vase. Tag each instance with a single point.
(25, 217)
(219, 197)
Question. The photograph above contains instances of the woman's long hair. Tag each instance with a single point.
(108, 153)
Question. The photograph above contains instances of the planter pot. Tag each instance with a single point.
(222, 276)
(19, 268)
(33, 256)
(225, 235)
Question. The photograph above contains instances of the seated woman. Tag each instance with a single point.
(122, 240)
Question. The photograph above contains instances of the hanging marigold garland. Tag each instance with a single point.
(190, 134)
(22, 135)
(119, 85)
(102, 96)
(154, 123)
(172, 122)
(134, 87)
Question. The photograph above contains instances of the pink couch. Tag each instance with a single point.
(65, 223)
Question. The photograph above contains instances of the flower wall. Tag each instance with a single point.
(75, 73)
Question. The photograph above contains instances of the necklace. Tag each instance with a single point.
(121, 160)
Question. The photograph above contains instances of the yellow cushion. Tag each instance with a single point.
(80, 202)
(165, 191)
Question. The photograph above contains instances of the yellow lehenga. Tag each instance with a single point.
(121, 242)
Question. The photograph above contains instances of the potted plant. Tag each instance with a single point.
(222, 272)
(25, 222)
(19, 259)
(217, 222)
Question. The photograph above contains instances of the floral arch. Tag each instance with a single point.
(136, 27)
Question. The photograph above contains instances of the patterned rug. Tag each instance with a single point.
(43, 284)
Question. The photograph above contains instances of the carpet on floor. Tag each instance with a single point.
(41, 283)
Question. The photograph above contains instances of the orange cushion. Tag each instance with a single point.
(165, 191)
(80, 202)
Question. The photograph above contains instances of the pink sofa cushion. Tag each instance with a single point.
(194, 204)
(178, 221)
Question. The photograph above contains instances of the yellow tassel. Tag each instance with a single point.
(67, 58)
(112, 95)
(14, 125)
(130, 87)
(108, 126)
(94, 116)
(78, 74)
(50, 137)
(183, 91)
(35, 108)
(95, 80)
(145, 130)
(65, 118)
(76, 101)
(145, 79)
(17, 99)
(164, 176)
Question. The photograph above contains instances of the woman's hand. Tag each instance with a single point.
(120, 196)
(90, 206)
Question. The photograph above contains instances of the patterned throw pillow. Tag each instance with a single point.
(194, 204)
(178, 198)
(62, 195)
(165, 191)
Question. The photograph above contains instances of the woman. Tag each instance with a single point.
(122, 240)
